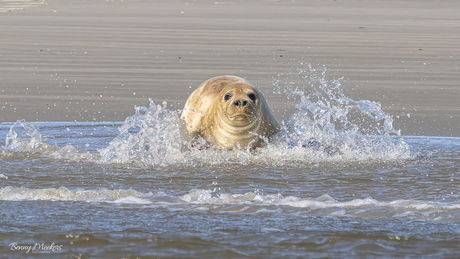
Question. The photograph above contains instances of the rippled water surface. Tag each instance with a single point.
(337, 181)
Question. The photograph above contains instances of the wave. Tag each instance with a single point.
(200, 196)
(249, 202)
(9, 193)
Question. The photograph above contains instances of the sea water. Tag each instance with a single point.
(337, 181)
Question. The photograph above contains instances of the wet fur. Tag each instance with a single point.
(208, 114)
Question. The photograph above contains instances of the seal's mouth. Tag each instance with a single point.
(240, 119)
(239, 116)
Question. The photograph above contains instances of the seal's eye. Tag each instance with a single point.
(252, 96)
(227, 97)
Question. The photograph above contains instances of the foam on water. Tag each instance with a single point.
(326, 205)
(200, 196)
(326, 126)
(132, 200)
(10, 193)
(250, 202)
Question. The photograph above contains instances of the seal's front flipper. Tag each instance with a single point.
(199, 143)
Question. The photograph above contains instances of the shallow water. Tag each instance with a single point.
(128, 189)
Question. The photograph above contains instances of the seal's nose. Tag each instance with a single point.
(242, 103)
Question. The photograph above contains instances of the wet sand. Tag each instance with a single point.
(94, 60)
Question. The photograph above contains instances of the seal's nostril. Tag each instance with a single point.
(242, 103)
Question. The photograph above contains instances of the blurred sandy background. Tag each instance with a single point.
(67, 60)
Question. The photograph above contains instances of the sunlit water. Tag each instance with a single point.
(337, 181)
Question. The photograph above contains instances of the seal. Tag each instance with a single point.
(228, 112)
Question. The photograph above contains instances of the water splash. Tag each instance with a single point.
(325, 117)
(149, 137)
(25, 137)
(323, 103)
(326, 126)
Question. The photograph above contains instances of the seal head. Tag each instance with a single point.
(228, 112)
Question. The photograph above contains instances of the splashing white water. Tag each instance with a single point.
(326, 126)
(325, 117)
(150, 136)
(25, 137)
(324, 105)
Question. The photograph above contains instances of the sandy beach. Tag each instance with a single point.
(95, 60)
